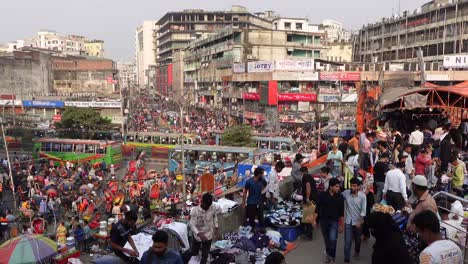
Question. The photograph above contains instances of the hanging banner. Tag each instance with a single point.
(260, 66)
(295, 65)
(329, 98)
(43, 104)
(340, 76)
(100, 104)
(456, 61)
(289, 97)
(251, 96)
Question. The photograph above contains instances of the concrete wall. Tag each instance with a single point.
(83, 82)
(25, 73)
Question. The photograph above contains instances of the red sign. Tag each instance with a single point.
(109, 80)
(57, 118)
(8, 97)
(285, 97)
(340, 76)
(272, 92)
(251, 96)
(290, 97)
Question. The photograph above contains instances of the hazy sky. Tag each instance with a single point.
(115, 21)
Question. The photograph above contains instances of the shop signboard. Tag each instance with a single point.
(340, 76)
(295, 65)
(456, 61)
(329, 98)
(9, 102)
(101, 104)
(238, 68)
(260, 66)
(298, 76)
(303, 106)
(57, 118)
(251, 96)
(290, 97)
(43, 104)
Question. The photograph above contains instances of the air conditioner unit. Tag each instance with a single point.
(250, 57)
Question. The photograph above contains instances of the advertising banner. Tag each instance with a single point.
(303, 106)
(251, 96)
(289, 97)
(456, 61)
(295, 65)
(340, 76)
(43, 104)
(329, 98)
(260, 66)
(94, 104)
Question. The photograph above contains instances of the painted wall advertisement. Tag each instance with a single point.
(295, 65)
(340, 76)
(261, 66)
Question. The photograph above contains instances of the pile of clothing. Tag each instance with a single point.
(245, 246)
(287, 214)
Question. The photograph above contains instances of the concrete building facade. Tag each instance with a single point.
(94, 48)
(436, 29)
(127, 74)
(145, 51)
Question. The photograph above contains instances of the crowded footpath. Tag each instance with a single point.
(402, 191)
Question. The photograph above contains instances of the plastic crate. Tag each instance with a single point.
(290, 233)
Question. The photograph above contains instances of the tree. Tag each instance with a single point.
(238, 136)
(76, 121)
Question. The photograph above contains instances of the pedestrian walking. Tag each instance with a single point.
(252, 198)
(355, 212)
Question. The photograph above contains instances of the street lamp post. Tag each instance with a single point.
(8, 157)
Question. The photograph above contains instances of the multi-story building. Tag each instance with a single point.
(66, 44)
(339, 52)
(227, 70)
(177, 29)
(335, 31)
(94, 48)
(145, 51)
(127, 74)
(438, 28)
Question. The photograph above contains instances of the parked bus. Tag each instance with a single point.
(208, 156)
(78, 150)
(22, 138)
(158, 139)
(263, 141)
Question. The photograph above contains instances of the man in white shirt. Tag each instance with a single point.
(416, 139)
(395, 187)
(272, 188)
(204, 224)
(409, 170)
(438, 251)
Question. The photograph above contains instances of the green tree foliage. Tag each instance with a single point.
(81, 120)
(238, 136)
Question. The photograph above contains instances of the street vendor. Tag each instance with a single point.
(121, 234)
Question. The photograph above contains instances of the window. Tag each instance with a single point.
(67, 148)
(289, 38)
(298, 26)
(46, 146)
(287, 25)
(78, 148)
(89, 148)
(157, 140)
(56, 147)
(101, 150)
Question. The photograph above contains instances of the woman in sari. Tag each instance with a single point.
(61, 235)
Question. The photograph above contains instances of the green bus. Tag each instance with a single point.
(78, 150)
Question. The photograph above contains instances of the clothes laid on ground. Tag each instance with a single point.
(287, 214)
(142, 243)
(182, 230)
(226, 205)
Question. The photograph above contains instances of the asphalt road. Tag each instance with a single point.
(312, 252)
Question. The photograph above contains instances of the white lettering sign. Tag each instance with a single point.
(456, 61)
(260, 66)
(295, 65)
(94, 104)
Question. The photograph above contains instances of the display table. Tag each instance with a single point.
(63, 258)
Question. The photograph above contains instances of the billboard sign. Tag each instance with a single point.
(100, 104)
(295, 65)
(340, 76)
(261, 66)
(238, 68)
(456, 61)
(43, 104)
